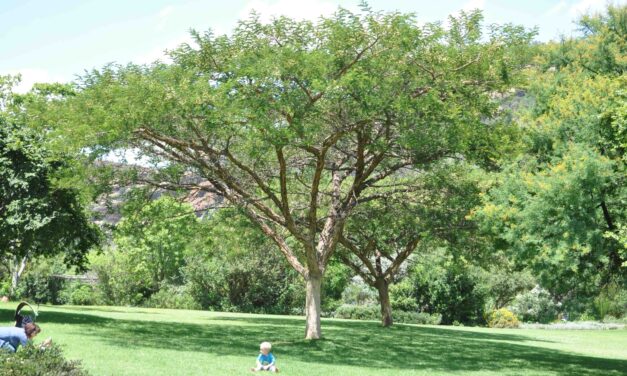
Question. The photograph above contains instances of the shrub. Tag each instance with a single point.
(33, 361)
(373, 312)
(336, 279)
(402, 297)
(422, 318)
(83, 295)
(358, 312)
(503, 318)
(175, 297)
(38, 284)
(455, 292)
(120, 280)
(79, 294)
(535, 306)
(40, 288)
(255, 282)
(602, 305)
(612, 301)
(359, 293)
(5, 288)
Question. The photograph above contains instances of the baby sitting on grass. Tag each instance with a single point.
(265, 360)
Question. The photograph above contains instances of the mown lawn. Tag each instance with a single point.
(136, 341)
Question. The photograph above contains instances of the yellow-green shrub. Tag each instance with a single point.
(503, 318)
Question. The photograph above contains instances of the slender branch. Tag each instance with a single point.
(365, 276)
(285, 206)
(398, 261)
(278, 240)
(351, 246)
(258, 180)
(357, 58)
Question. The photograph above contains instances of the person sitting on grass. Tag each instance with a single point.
(265, 360)
(12, 337)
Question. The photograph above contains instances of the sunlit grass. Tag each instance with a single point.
(138, 341)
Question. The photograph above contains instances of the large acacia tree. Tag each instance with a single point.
(296, 122)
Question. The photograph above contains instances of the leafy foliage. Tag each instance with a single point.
(37, 217)
(535, 306)
(502, 318)
(39, 284)
(296, 122)
(157, 238)
(559, 206)
(239, 271)
(173, 297)
(371, 312)
(33, 361)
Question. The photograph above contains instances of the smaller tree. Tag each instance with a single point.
(156, 239)
(386, 232)
(37, 216)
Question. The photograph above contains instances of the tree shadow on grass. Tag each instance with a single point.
(364, 344)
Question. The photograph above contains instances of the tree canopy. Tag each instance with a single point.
(560, 205)
(298, 122)
(37, 217)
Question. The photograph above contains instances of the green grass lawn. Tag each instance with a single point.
(136, 341)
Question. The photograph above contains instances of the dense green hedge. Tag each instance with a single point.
(373, 312)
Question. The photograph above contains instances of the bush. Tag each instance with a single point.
(612, 301)
(421, 318)
(336, 279)
(359, 294)
(358, 312)
(586, 316)
(373, 312)
(402, 297)
(455, 292)
(175, 297)
(120, 280)
(79, 294)
(535, 306)
(32, 361)
(5, 288)
(38, 284)
(503, 318)
(259, 281)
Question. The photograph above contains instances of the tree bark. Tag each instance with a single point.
(384, 299)
(18, 269)
(312, 307)
(614, 256)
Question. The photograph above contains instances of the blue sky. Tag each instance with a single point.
(49, 40)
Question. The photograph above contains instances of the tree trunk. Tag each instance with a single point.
(18, 269)
(312, 308)
(384, 299)
(615, 260)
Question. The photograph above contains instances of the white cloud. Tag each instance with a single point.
(585, 6)
(31, 77)
(308, 10)
(474, 4)
(555, 9)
